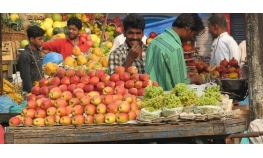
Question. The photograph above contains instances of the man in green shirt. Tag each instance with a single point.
(165, 56)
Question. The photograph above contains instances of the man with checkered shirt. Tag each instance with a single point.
(132, 52)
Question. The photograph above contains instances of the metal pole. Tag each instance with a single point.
(1, 65)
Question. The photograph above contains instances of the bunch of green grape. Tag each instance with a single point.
(204, 100)
(152, 92)
(171, 101)
(187, 96)
(213, 92)
(155, 103)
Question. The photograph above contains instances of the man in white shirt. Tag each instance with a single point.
(224, 47)
(121, 39)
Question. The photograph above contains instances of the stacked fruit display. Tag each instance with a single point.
(226, 70)
(151, 36)
(77, 97)
(189, 51)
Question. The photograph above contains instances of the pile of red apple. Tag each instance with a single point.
(152, 35)
(227, 69)
(74, 97)
(188, 46)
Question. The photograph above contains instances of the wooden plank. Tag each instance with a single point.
(82, 134)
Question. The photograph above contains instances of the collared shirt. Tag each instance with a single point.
(119, 56)
(65, 46)
(225, 47)
(119, 40)
(28, 67)
(165, 60)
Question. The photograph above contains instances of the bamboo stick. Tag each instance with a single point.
(1, 70)
(103, 30)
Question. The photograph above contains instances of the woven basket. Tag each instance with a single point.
(13, 36)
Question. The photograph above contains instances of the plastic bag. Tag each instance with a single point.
(6, 103)
(147, 115)
(53, 58)
(170, 112)
(189, 109)
(199, 89)
(207, 109)
(19, 108)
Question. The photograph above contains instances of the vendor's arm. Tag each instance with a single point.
(24, 67)
(52, 46)
(134, 53)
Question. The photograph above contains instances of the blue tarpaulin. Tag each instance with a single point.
(159, 26)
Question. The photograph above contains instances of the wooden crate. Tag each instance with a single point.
(9, 50)
(7, 67)
(245, 113)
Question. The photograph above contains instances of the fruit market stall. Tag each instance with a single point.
(115, 133)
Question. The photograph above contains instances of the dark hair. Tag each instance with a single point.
(191, 20)
(34, 31)
(75, 21)
(133, 20)
(218, 19)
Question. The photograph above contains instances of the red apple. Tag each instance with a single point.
(63, 88)
(46, 104)
(84, 100)
(85, 80)
(81, 86)
(72, 87)
(61, 111)
(111, 84)
(14, 121)
(138, 84)
(100, 86)
(70, 73)
(80, 72)
(119, 70)
(129, 84)
(67, 95)
(74, 80)
(132, 115)
(65, 80)
(132, 70)
(73, 101)
(35, 90)
(30, 113)
(124, 107)
(135, 77)
(32, 97)
(107, 99)
(133, 91)
(99, 118)
(90, 109)
(115, 77)
(96, 100)
(119, 90)
(105, 78)
(51, 111)
(61, 73)
(100, 73)
(31, 104)
(107, 90)
(140, 92)
(94, 80)
(146, 83)
(39, 122)
(43, 82)
(69, 110)
(92, 73)
(28, 121)
(134, 106)
(89, 119)
(144, 77)
(152, 35)
(49, 120)
(122, 117)
(40, 113)
(65, 120)
(61, 102)
(125, 76)
(110, 118)
(112, 108)
(55, 81)
(101, 108)
(88, 88)
(78, 119)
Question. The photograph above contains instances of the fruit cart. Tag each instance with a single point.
(200, 132)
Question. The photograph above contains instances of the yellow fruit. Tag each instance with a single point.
(81, 60)
(50, 68)
(70, 61)
(56, 17)
(49, 32)
(49, 20)
(98, 40)
(91, 63)
(78, 15)
(13, 17)
(97, 66)
(57, 24)
(108, 45)
(93, 37)
(61, 35)
(93, 57)
(47, 25)
(63, 23)
(98, 52)
(104, 61)
(76, 51)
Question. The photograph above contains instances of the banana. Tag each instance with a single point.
(8, 83)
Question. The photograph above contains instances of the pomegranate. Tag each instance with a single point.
(233, 62)
(224, 75)
(224, 63)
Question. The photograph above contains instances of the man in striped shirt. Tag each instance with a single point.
(165, 57)
(132, 52)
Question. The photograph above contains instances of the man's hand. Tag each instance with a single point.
(135, 51)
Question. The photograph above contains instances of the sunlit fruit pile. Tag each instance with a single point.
(76, 97)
